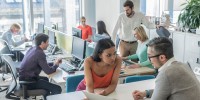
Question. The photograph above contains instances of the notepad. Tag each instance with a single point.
(92, 96)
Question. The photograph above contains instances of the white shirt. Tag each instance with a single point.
(126, 25)
(169, 62)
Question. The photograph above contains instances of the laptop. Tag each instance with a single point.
(92, 96)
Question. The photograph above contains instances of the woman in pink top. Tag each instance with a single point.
(101, 69)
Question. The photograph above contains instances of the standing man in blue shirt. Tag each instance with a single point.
(34, 62)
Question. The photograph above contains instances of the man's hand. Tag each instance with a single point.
(25, 39)
(58, 61)
(138, 95)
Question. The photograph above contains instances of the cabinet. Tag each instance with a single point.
(178, 45)
(192, 49)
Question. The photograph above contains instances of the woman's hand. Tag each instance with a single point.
(103, 92)
(134, 66)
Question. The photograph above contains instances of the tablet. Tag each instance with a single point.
(92, 96)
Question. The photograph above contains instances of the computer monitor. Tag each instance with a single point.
(52, 38)
(98, 37)
(40, 28)
(76, 32)
(78, 48)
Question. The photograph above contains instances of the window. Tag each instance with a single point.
(11, 12)
(38, 13)
(65, 14)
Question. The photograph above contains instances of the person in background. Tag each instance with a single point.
(102, 69)
(86, 30)
(125, 23)
(8, 36)
(34, 62)
(101, 29)
(141, 53)
(175, 80)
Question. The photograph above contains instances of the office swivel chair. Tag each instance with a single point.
(5, 50)
(72, 82)
(19, 89)
(138, 78)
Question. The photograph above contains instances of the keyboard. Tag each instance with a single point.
(67, 67)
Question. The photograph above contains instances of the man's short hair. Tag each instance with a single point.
(15, 25)
(129, 3)
(41, 38)
(162, 45)
(83, 17)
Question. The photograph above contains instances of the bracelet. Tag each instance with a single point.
(147, 93)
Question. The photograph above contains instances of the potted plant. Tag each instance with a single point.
(190, 15)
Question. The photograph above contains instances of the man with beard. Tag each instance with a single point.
(126, 23)
(175, 80)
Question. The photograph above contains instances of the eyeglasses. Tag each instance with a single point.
(153, 56)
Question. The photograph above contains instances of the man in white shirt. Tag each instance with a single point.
(175, 80)
(126, 23)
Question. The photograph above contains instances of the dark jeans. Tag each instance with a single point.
(43, 83)
(117, 42)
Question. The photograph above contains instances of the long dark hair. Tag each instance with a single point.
(100, 47)
(101, 28)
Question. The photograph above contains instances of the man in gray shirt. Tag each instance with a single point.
(8, 36)
(175, 80)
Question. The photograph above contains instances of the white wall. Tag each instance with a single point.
(108, 11)
(89, 11)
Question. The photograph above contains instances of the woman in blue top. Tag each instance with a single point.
(141, 52)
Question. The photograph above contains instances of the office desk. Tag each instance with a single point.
(122, 92)
(60, 75)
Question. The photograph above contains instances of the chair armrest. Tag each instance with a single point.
(26, 82)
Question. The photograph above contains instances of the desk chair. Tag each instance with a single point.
(5, 50)
(19, 89)
(72, 82)
(136, 78)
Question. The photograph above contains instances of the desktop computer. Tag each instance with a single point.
(78, 54)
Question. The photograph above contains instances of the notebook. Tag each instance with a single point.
(92, 96)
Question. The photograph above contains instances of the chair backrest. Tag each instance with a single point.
(72, 82)
(138, 78)
(163, 32)
(4, 48)
(9, 62)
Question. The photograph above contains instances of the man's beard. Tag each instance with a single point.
(128, 15)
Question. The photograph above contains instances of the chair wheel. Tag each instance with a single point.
(3, 79)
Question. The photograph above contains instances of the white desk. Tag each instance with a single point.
(122, 92)
(60, 75)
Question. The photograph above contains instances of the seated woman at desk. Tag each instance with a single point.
(141, 52)
(102, 69)
(101, 32)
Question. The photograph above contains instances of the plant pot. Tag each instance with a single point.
(192, 30)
